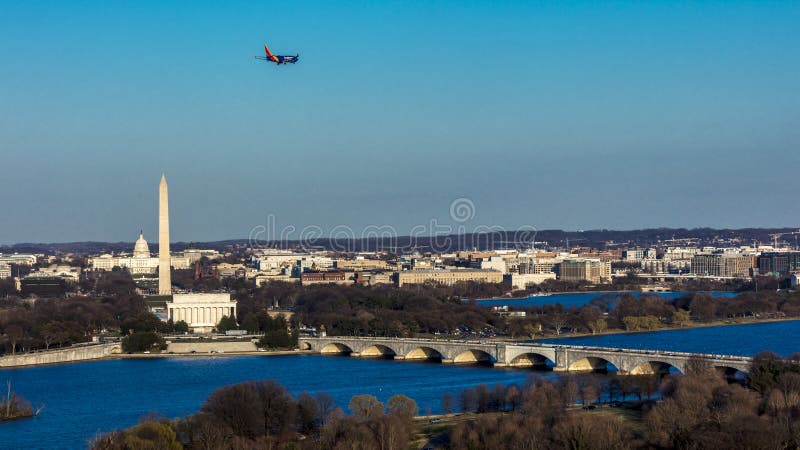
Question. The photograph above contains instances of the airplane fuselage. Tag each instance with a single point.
(286, 59)
(280, 59)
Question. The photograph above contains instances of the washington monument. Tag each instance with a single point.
(164, 280)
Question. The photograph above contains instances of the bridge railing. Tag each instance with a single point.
(656, 352)
(385, 338)
(650, 352)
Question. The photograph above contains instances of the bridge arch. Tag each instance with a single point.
(534, 360)
(654, 367)
(378, 351)
(593, 364)
(474, 356)
(336, 348)
(425, 353)
(732, 374)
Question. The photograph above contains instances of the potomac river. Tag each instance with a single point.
(83, 399)
(578, 299)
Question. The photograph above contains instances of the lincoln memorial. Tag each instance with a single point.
(201, 311)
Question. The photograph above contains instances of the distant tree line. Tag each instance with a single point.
(650, 312)
(50, 323)
(432, 309)
(483, 241)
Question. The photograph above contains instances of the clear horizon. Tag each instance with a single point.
(580, 116)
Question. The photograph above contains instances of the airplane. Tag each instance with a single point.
(277, 59)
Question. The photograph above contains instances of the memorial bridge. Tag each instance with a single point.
(561, 358)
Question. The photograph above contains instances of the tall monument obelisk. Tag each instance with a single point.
(164, 279)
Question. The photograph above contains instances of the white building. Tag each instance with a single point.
(69, 273)
(522, 281)
(202, 312)
(22, 259)
(795, 280)
(493, 263)
(5, 271)
(274, 260)
(265, 278)
(142, 263)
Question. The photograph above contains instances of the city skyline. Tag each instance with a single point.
(398, 224)
(458, 219)
(573, 117)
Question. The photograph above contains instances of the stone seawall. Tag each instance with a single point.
(212, 346)
(65, 355)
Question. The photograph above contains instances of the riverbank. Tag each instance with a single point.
(47, 359)
(63, 355)
(545, 295)
(719, 323)
(548, 294)
(209, 355)
(433, 431)
(108, 352)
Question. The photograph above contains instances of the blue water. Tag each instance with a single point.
(578, 299)
(742, 340)
(83, 399)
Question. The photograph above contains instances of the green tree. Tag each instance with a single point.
(152, 436)
(765, 370)
(681, 317)
(632, 323)
(143, 341)
(598, 326)
(226, 323)
(181, 327)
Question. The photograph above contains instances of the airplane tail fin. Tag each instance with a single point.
(266, 50)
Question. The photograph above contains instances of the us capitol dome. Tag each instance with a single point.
(140, 248)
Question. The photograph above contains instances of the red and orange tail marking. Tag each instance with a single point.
(269, 54)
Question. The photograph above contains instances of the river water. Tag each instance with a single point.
(83, 399)
(782, 338)
(578, 299)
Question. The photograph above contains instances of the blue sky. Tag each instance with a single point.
(573, 115)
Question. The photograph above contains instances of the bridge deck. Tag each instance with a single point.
(502, 353)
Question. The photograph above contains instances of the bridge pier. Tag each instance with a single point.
(399, 357)
(448, 361)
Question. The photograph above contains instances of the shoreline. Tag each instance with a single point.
(547, 294)
(669, 328)
(208, 355)
(550, 294)
(115, 356)
(298, 352)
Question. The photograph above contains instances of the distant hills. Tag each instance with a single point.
(598, 239)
